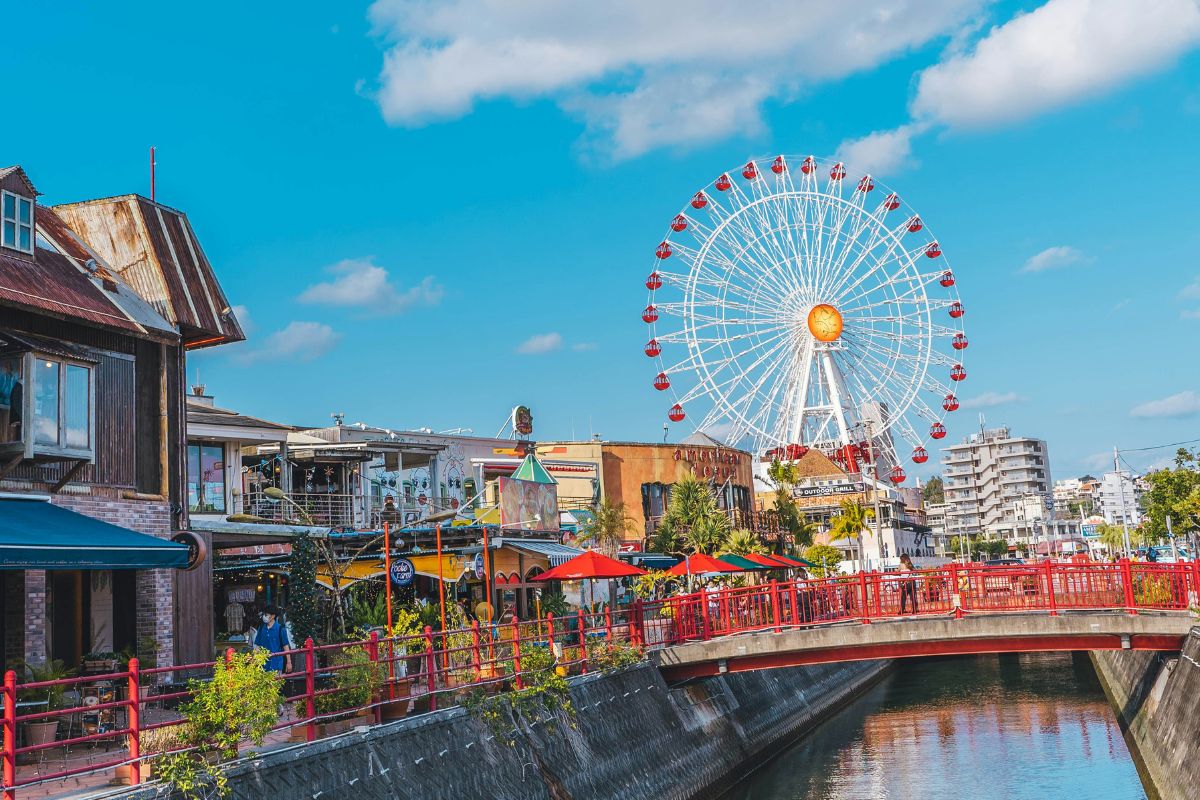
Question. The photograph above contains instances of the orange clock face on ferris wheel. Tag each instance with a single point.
(825, 322)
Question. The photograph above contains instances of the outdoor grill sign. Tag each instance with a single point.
(402, 572)
(829, 491)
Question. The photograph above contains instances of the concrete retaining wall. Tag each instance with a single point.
(633, 738)
(1157, 701)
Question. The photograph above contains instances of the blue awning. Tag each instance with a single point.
(554, 552)
(36, 534)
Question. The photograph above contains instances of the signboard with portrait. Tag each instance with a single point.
(522, 420)
(529, 506)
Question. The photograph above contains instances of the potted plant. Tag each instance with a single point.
(153, 743)
(44, 730)
(356, 681)
(100, 662)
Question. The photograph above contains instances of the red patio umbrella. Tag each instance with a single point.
(768, 561)
(590, 565)
(698, 563)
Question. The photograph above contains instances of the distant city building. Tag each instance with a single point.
(1119, 499)
(986, 474)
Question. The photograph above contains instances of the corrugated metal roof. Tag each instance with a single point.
(155, 249)
(202, 414)
(56, 282)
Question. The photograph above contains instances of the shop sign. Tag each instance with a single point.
(829, 491)
(630, 547)
(709, 463)
(522, 420)
(240, 594)
(402, 572)
(478, 566)
(197, 549)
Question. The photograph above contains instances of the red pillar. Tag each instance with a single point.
(1127, 580)
(310, 688)
(475, 660)
(10, 734)
(135, 724)
(1050, 589)
(431, 667)
(862, 591)
(373, 654)
(516, 650)
(776, 607)
(582, 622)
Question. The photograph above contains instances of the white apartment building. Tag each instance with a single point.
(935, 518)
(990, 478)
(1120, 498)
(1066, 491)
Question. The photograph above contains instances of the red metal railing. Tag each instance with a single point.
(421, 669)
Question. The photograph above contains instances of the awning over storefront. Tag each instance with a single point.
(35, 534)
(556, 553)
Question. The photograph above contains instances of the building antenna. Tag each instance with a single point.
(153, 164)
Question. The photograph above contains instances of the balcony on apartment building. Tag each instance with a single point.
(359, 511)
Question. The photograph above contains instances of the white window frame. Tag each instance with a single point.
(60, 448)
(16, 221)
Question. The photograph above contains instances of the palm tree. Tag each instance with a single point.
(693, 522)
(851, 522)
(741, 541)
(608, 527)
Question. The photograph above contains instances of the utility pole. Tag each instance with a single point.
(1121, 488)
(874, 494)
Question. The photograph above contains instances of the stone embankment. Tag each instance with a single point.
(632, 737)
(1157, 700)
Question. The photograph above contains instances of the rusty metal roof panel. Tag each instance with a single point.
(154, 248)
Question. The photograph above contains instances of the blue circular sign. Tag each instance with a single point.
(403, 572)
(478, 565)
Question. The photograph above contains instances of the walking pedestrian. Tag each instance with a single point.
(272, 636)
(908, 583)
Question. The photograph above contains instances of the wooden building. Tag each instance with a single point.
(99, 303)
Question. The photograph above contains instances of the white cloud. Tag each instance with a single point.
(581, 347)
(1059, 53)
(242, 315)
(1183, 404)
(541, 343)
(992, 399)
(1191, 291)
(1053, 258)
(880, 152)
(1190, 313)
(299, 341)
(674, 75)
(360, 283)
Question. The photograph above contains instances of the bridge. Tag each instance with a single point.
(955, 610)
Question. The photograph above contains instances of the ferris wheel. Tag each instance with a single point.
(795, 307)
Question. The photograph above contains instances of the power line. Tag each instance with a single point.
(1157, 447)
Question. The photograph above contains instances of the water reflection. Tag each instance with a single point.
(1031, 726)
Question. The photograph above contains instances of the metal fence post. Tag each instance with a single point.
(10, 735)
(516, 650)
(431, 665)
(775, 607)
(862, 589)
(476, 661)
(636, 631)
(1127, 580)
(310, 688)
(1050, 589)
(135, 724)
(582, 640)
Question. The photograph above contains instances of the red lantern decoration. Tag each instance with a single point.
(920, 455)
(866, 184)
(957, 309)
(915, 225)
(947, 279)
(662, 382)
(777, 166)
(937, 430)
(950, 403)
(891, 202)
(750, 172)
(699, 201)
(679, 223)
(654, 281)
(933, 250)
(809, 165)
(653, 348)
(897, 475)
(723, 183)
(959, 342)
(676, 413)
(838, 172)
(663, 251)
(958, 373)
(650, 314)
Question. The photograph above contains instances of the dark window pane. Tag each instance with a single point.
(12, 398)
(45, 402)
(78, 398)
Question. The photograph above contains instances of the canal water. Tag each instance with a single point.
(1008, 727)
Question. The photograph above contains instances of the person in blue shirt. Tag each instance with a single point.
(272, 636)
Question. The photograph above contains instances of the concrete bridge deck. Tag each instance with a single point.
(926, 636)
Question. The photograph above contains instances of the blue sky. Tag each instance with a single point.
(400, 198)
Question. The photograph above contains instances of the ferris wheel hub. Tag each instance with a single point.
(825, 322)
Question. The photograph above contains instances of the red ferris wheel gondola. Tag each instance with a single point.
(676, 413)
(915, 225)
(933, 250)
(654, 281)
(947, 279)
(750, 171)
(809, 165)
(650, 314)
(920, 455)
(653, 348)
(777, 166)
(958, 373)
(897, 475)
(663, 250)
(957, 309)
(866, 184)
(937, 431)
(959, 342)
(950, 403)
(679, 223)
(723, 183)
(891, 202)
(662, 382)
(838, 171)
(699, 200)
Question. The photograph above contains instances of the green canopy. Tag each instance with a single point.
(35, 534)
(532, 470)
(741, 563)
